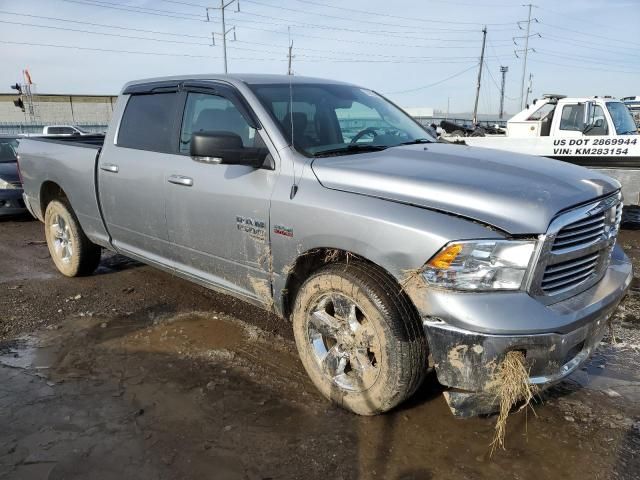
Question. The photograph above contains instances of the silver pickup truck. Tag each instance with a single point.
(391, 254)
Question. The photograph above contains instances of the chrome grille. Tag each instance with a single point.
(575, 252)
(580, 234)
(566, 275)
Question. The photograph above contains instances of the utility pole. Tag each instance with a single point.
(290, 55)
(289, 71)
(526, 50)
(223, 6)
(503, 70)
(529, 89)
(475, 106)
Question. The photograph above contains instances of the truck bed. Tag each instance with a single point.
(68, 164)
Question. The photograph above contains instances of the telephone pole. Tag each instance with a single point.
(475, 106)
(223, 6)
(503, 70)
(290, 54)
(529, 89)
(289, 71)
(526, 50)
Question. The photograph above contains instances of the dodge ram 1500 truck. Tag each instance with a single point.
(391, 254)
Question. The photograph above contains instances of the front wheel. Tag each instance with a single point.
(72, 252)
(359, 338)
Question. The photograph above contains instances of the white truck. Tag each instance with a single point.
(64, 130)
(597, 132)
(633, 103)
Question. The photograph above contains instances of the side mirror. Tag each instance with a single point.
(225, 148)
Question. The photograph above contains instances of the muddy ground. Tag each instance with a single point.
(132, 373)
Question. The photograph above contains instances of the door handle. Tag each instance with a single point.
(109, 167)
(180, 180)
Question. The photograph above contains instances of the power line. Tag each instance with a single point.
(111, 50)
(57, 19)
(582, 67)
(354, 30)
(398, 92)
(362, 42)
(149, 11)
(383, 58)
(590, 34)
(104, 33)
(380, 14)
(361, 20)
(208, 37)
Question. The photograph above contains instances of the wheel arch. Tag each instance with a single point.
(50, 190)
(312, 260)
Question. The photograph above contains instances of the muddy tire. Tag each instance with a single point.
(72, 252)
(359, 338)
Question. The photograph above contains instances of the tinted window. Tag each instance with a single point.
(212, 113)
(572, 117)
(327, 118)
(60, 130)
(147, 123)
(8, 150)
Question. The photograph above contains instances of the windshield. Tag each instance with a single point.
(622, 119)
(334, 119)
(82, 130)
(8, 147)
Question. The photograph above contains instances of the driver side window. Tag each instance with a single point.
(204, 112)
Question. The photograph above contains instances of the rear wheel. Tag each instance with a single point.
(72, 252)
(359, 338)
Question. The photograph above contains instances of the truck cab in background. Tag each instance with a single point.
(595, 132)
(559, 116)
(633, 104)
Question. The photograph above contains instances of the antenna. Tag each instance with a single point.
(294, 187)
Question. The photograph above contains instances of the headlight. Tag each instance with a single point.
(480, 265)
(4, 185)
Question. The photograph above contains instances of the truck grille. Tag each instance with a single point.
(566, 275)
(584, 232)
(577, 248)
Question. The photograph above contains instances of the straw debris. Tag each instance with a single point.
(511, 386)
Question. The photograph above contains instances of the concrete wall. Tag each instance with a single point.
(61, 109)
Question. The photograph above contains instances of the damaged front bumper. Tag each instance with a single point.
(467, 359)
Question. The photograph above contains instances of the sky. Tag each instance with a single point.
(419, 53)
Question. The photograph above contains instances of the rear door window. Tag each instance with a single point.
(148, 122)
(572, 118)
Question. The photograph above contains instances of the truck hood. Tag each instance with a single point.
(519, 194)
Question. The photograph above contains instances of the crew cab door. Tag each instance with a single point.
(217, 214)
(132, 174)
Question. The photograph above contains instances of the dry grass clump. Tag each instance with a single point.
(511, 386)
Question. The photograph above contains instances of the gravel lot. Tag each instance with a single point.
(132, 373)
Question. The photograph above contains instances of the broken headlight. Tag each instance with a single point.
(480, 265)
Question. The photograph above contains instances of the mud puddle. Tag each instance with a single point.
(150, 377)
(190, 394)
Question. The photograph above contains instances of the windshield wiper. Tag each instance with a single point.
(415, 142)
(350, 149)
